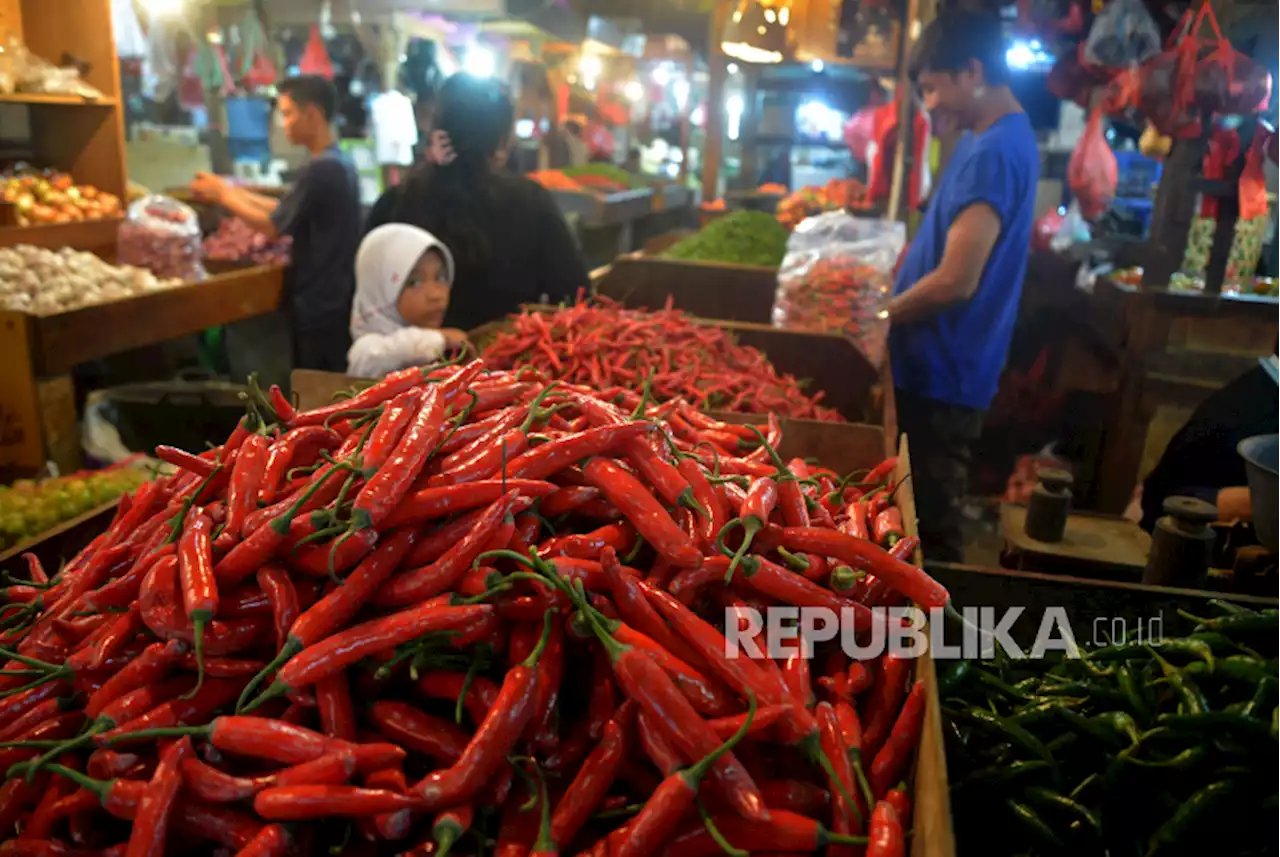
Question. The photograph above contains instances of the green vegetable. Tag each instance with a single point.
(610, 172)
(29, 508)
(740, 238)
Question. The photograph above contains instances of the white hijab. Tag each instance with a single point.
(386, 258)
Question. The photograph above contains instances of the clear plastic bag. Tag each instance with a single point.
(837, 276)
(163, 236)
(1123, 34)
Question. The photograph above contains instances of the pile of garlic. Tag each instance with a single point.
(47, 282)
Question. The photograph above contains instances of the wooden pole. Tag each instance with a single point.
(718, 68)
(902, 160)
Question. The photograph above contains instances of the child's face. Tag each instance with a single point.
(425, 295)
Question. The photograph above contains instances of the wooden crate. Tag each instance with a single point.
(60, 543)
(705, 289)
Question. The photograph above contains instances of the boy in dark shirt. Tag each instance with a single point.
(321, 213)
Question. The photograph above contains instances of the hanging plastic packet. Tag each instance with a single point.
(837, 276)
(1254, 222)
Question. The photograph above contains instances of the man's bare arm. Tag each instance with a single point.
(255, 209)
(969, 243)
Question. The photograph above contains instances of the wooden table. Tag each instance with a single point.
(1107, 545)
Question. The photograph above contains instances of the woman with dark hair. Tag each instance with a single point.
(510, 244)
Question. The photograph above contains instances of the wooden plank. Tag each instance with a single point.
(53, 99)
(932, 835)
(68, 339)
(1101, 541)
(21, 441)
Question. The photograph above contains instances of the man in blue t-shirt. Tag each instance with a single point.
(956, 296)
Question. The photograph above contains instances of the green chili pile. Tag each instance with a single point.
(739, 238)
(616, 351)
(462, 611)
(1145, 747)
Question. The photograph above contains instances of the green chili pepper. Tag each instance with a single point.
(1189, 648)
(1012, 732)
(997, 684)
(1198, 806)
(1052, 800)
(1221, 644)
(998, 775)
(1188, 758)
(1103, 695)
(1214, 723)
(1132, 691)
(1266, 622)
(1120, 722)
(1191, 700)
(1241, 668)
(953, 677)
(1030, 714)
(1034, 825)
(1264, 697)
(1096, 729)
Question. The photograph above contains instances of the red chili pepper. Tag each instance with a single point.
(907, 579)
(784, 831)
(337, 714)
(430, 503)
(645, 682)
(392, 385)
(795, 672)
(566, 499)
(385, 488)
(887, 528)
(845, 817)
(548, 458)
(886, 839)
(199, 588)
(272, 841)
(881, 472)
(242, 491)
(296, 448)
(493, 740)
(753, 516)
(635, 609)
(153, 664)
(436, 738)
(300, 803)
(450, 825)
(594, 778)
(856, 524)
(390, 427)
(891, 759)
(882, 706)
(201, 467)
(643, 511)
(541, 727)
(480, 693)
(151, 823)
(415, 584)
(620, 536)
(210, 784)
(901, 803)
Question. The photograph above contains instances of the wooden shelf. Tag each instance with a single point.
(97, 236)
(68, 339)
(56, 100)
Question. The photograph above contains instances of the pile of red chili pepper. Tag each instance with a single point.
(837, 293)
(462, 612)
(598, 343)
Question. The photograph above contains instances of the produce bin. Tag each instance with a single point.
(189, 414)
(601, 210)
(706, 289)
(832, 364)
(839, 447)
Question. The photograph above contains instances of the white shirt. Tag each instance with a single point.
(395, 129)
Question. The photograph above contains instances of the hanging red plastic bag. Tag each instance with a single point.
(1069, 80)
(880, 155)
(1092, 173)
(859, 132)
(261, 73)
(1167, 81)
(1254, 222)
(315, 59)
(1121, 92)
(1227, 81)
(1046, 226)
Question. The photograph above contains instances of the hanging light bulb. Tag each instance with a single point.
(757, 31)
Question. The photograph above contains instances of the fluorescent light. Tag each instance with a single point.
(633, 90)
(680, 89)
(732, 68)
(817, 66)
(733, 106)
(479, 61)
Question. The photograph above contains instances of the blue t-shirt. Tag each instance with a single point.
(957, 355)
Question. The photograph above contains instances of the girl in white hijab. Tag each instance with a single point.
(403, 277)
